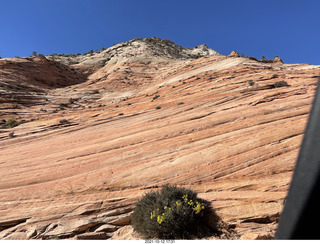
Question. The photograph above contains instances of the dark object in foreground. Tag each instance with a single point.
(302, 207)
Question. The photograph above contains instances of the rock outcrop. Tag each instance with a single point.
(277, 60)
(234, 54)
(91, 147)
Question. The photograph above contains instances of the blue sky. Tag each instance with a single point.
(287, 28)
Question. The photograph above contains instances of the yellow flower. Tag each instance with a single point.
(198, 207)
(185, 197)
(178, 203)
(160, 219)
(190, 203)
(153, 214)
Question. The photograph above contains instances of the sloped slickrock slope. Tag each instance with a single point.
(92, 146)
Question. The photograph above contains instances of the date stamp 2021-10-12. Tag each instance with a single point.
(160, 241)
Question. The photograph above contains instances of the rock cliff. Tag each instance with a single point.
(97, 131)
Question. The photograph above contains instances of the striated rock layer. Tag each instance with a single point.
(100, 131)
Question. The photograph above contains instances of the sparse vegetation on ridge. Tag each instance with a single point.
(155, 46)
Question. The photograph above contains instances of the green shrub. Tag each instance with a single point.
(173, 213)
(63, 121)
(62, 106)
(250, 82)
(280, 84)
(155, 97)
(11, 123)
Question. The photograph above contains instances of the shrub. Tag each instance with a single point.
(63, 121)
(11, 123)
(250, 82)
(173, 213)
(280, 84)
(155, 97)
(95, 92)
(62, 106)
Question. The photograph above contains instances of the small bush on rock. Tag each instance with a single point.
(10, 123)
(250, 82)
(280, 84)
(63, 121)
(173, 213)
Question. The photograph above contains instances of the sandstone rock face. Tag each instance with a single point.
(89, 148)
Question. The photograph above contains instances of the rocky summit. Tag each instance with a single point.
(83, 137)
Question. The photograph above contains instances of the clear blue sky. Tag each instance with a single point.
(288, 28)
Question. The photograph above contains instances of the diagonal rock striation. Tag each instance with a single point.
(139, 115)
